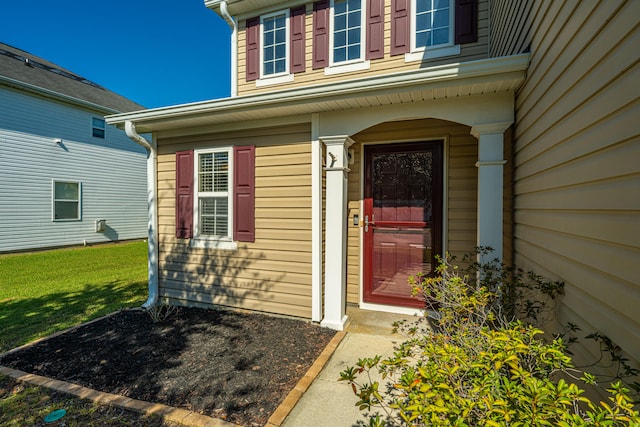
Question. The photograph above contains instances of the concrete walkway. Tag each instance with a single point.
(329, 402)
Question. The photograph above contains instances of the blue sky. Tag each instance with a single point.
(154, 52)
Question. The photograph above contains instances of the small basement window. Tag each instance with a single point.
(97, 128)
(66, 200)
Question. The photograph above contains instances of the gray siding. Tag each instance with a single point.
(577, 152)
(112, 172)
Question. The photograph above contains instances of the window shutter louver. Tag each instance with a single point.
(298, 41)
(320, 34)
(400, 27)
(184, 194)
(244, 193)
(466, 21)
(253, 49)
(375, 29)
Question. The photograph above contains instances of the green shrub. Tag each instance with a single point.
(473, 363)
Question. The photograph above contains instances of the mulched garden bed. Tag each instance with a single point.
(225, 364)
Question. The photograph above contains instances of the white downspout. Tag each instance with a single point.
(234, 49)
(151, 147)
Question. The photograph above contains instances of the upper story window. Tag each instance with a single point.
(425, 29)
(274, 44)
(97, 127)
(347, 31)
(433, 23)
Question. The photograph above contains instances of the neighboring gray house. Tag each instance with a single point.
(62, 170)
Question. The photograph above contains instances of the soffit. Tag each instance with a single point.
(430, 84)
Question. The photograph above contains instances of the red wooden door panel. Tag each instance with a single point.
(402, 219)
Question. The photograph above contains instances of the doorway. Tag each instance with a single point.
(402, 219)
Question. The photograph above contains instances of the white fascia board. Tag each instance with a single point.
(27, 87)
(449, 73)
(247, 9)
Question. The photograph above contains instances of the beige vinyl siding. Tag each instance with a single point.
(386, 65)
(461, 178)
(274, 273)
(577, 174)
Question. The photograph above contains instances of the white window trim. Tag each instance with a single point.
(342, 67)
(347, 67)
(53, 200)
(213, 242)
(271, 78)
(274, 80)
(436, 51)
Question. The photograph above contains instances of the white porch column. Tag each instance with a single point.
(490, 185)
(336, 231)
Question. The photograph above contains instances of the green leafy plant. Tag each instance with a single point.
(475, 362)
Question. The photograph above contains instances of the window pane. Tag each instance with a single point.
(340, 22)
(280, 35)
(268, 23)
(268, 38)
(340, 7)
(354, 37)
(354, 19)
(423, 39)
(440, 36)
(214, 216)
(221, 168)
(205, 170)
(66, 210)
(340, 39)
(423, 22)
(423, 5)
(66, 191)
(354, 52)
(440, 4)
(340, 54)
(441, 18)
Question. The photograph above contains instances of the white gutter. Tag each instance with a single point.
(234, 48)
(151, 147)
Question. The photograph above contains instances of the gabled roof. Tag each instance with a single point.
(20, 69)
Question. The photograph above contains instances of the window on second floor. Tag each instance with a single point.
(274, 38)
(347, 31)
(433, 23)
(97, 127)
(275, 46)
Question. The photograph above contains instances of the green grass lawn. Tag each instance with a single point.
(45, 292)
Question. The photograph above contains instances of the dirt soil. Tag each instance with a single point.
(234, 366)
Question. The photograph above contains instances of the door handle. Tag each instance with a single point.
(366, 222)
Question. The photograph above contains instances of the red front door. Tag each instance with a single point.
(402, 218)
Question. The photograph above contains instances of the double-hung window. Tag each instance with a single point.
(347, 31)
(433, 23)
(97, 127)
(66, 200)
(213, 196)
(275, 33)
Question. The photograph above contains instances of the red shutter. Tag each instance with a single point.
(400, 27)
(321, 34)
(244, 193)
(253, 48)
(184, 194)
(466, 21)
(375, 29)
(297, 28)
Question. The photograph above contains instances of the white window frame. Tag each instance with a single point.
(102, 128)
(54, 200)
(206, 241)
(282, 77)
(352, 64)
(435, 51)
